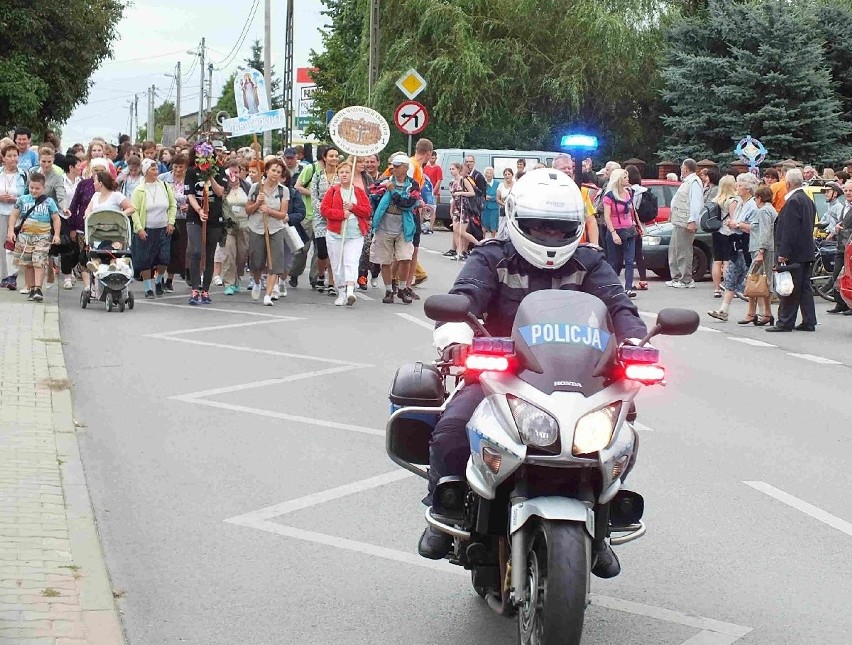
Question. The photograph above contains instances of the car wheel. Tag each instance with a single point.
(700, 263)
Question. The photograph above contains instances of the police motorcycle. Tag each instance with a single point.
(550, 446)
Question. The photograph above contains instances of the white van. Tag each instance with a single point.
(497, 159)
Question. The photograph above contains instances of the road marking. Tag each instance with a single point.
(815, 359)
(194, 330)
(641, 427)
(750, 341)
(208, 308)
(425, 250)
(418, 321)
(257, 384)
(713, 632)
(800, 505)
(362, 296)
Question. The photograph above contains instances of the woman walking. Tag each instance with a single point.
(723, 243)
(322, 181)
(131, 176)
(346, 208)
(105, 197)
(267, 214)
(153, 224)
(13, 184)
(634, 178)
(462, 189)
(491, 210)
(762, 249)
(619, 216)
(236, 242)
(740, 225)
(177, 245)
(197, 216)
(503, 193)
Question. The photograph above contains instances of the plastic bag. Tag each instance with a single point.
(783, 283)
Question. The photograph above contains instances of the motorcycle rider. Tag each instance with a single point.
(539, 249)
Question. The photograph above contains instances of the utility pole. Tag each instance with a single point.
(151, 124)
(210, 87)
(373, 63)
(287, 132)
(201, 98)
(177, 102)
(136, 113)
(267, 65)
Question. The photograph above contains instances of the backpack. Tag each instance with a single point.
(711, 217)
(310, 176)
(648, 207)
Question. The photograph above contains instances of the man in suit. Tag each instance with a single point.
(794, 245)
(843, 233)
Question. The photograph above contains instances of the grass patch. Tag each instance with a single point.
(57, 384)
(50, 592)
(75, 569)
(60, 461)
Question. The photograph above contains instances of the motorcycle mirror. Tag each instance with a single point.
(447, 307)
(677, 322)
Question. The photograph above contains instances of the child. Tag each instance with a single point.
(99, 268)
(38, 214)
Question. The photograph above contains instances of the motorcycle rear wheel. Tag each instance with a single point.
(558, 568)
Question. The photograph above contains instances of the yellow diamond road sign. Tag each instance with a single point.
(411, 83)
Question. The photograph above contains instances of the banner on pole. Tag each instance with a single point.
(359, 131)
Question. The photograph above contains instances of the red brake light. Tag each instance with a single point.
(482, 363)
(645, 373)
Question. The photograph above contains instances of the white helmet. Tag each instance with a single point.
(545, 199)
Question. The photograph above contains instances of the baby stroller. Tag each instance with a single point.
(108, 235)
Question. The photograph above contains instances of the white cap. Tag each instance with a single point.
(99, 162)
(146, 164)
(398, 159)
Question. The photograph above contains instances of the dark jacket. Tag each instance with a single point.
(79, 203)
(794, 229)
(496, 278)
(845, 233)
(296, 212)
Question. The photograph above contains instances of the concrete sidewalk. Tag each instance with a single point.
(54, 588)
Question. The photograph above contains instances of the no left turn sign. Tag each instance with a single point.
(411, 117)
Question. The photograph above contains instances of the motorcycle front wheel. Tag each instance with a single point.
(558, 568)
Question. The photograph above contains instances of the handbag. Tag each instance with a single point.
(757, 285)
(292, 238)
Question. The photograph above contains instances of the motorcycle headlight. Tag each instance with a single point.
(594, 430)
(537, 427)
(651, 240)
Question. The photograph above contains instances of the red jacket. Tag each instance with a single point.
(332, 209)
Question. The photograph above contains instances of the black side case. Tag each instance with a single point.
(417, 384)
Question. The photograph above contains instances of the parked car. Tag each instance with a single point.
(655, 242)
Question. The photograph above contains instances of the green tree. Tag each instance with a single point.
(493, 79)
(163, 115)
(49, 52)
(723, 82)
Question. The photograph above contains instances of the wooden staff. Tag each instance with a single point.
(205, 208)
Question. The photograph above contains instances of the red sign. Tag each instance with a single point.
(303, 75)
(411, 117)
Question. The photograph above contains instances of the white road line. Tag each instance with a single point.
(669, 616)
(641, 427)
(808, 509)
(285, 417)
(418, 321)
(208, 308)
(423, 249)
(750, 341)
(362, 296)
(193, 330)
(713, 632)
(265, 352)
(307, 501)
(192, 396)
(815, 359)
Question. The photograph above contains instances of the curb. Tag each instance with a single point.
(99, 610)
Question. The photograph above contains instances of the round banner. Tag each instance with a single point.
(359, 131)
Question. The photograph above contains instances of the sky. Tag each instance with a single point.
(155, 34)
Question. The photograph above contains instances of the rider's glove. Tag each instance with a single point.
(455, 354)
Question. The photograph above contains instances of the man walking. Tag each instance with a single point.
(685, 214)
(794, 246)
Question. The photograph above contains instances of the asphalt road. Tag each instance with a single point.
(243, 495)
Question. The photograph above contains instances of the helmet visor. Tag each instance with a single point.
(549, 232)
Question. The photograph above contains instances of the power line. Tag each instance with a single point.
(136, 60)
(240, 39)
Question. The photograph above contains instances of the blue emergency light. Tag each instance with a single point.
(579, 142)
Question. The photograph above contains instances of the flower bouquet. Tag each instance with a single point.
(205, 161)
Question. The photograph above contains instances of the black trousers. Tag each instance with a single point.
(838, 269)
(193, 255)
(449, 449)
(802, 299)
